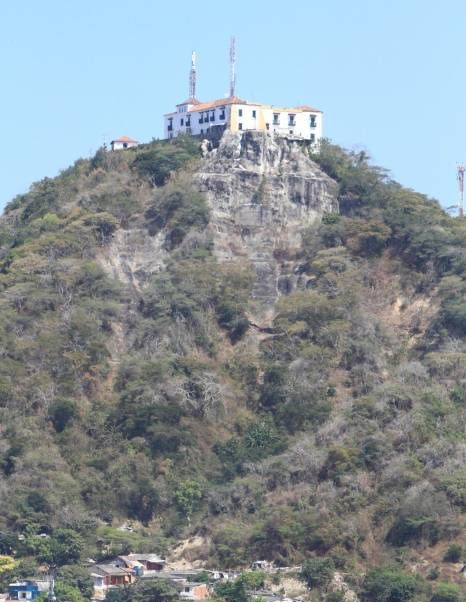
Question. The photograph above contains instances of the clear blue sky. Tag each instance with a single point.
(390, 76)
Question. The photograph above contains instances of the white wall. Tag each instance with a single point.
(245, 117)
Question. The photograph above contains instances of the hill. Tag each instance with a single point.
(258, 347)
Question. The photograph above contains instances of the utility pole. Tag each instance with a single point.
(192, 76)
(460, 176)
(232, 66)
(51, 596)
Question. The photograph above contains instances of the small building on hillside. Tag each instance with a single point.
(123, 143)
(149, 562)
(27, 590)
(106, 576)
(194, 591)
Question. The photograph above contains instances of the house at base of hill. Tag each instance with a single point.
(123, 143)
(141, 563)
(193, 117)
(27, 590)
(194, 591)
(107, 576)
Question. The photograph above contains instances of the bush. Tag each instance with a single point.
(317, 572)
(391, 585)
(447, 592)
(454, 553)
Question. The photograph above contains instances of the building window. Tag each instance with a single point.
(313, 138)
(240, 112)
(212, 116)
(182, 121)
(202, 131)
(188, 121)
(222, 114)
(240, 126)
(267, 126)
(201, 118)
(276, 119)
(291, 119)
(170, 124)
(313, 121)
(254, 114)
(206, 116)
(291, 132)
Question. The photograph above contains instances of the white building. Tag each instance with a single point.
(122, 143)
(197, 118)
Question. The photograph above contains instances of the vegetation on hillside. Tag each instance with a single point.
(337, 440)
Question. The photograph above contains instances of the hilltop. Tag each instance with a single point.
(259, 349)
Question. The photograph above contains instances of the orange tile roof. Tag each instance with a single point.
(189, 101)
(125, 139)
(220, 102)
(308, 108)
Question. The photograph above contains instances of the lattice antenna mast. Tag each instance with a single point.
(232, 66)
(461, 170)
(192, 76)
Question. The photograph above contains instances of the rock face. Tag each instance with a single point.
(263, 192)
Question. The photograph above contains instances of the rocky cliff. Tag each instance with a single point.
(263, 192)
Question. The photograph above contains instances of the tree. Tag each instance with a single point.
(391, 585)
(63, 547)
(233, 591)
(7, 563)
(144, 591)
(317, 572)
(188, 496)
(78, 577)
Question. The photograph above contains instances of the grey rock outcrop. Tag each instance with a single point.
(263, 192)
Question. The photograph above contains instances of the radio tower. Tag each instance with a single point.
(192, 76)
(232, 66)
(461, 170)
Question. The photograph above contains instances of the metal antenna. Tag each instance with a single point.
(192, 76)
(461, 170)
(232, 66)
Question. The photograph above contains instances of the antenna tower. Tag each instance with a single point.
(461, 170)
(192, 76)
(232, 66)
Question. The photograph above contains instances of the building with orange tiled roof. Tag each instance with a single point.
(197, 118)
(123, 142)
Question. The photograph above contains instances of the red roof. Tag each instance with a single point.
(221, 102)
(308, 108)
(125, 139)
(189, 101)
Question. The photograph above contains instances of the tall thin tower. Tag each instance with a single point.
(192, 76)
(232, 66)
(461, 170)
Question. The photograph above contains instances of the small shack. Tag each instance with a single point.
(123, 143)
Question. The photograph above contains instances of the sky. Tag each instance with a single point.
(390, 76)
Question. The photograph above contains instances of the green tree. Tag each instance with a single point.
(145, 591)
(188, 496)
(63, 547)
(317, 572)
(232, 591)
(391, 585)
